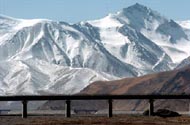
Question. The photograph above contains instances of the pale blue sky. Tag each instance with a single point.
(80, 10)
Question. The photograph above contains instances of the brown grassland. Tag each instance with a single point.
(94, 120)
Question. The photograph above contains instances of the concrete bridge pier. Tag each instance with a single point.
(110, 108)
(24, 109)
(68, 108)
(151, 107)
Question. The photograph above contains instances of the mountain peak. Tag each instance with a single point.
(139, 11)
(138, 7)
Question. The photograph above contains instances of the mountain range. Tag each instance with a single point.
(41, 56)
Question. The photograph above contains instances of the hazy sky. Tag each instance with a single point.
(80, 10)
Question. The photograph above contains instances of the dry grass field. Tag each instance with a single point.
(95, 120)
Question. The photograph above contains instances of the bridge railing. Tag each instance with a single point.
(68, 98)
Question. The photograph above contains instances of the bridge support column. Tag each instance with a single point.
(24, 109)
(68, 108)
(110, 108)
(151, 107)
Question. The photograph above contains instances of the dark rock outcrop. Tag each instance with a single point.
(166, 113)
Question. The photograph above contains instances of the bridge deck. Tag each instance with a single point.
(25, 98)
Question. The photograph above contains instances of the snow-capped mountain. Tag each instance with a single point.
(62, 44)
(43, 56)
(166, 33)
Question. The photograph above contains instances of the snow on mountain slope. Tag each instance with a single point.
(39, 74)
(62, 44)
(163, 32)
(56, 56)
(129, 45)
(9, 26)
(184, 63)
(184, 24)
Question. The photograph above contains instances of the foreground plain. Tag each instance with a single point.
(95, 120)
